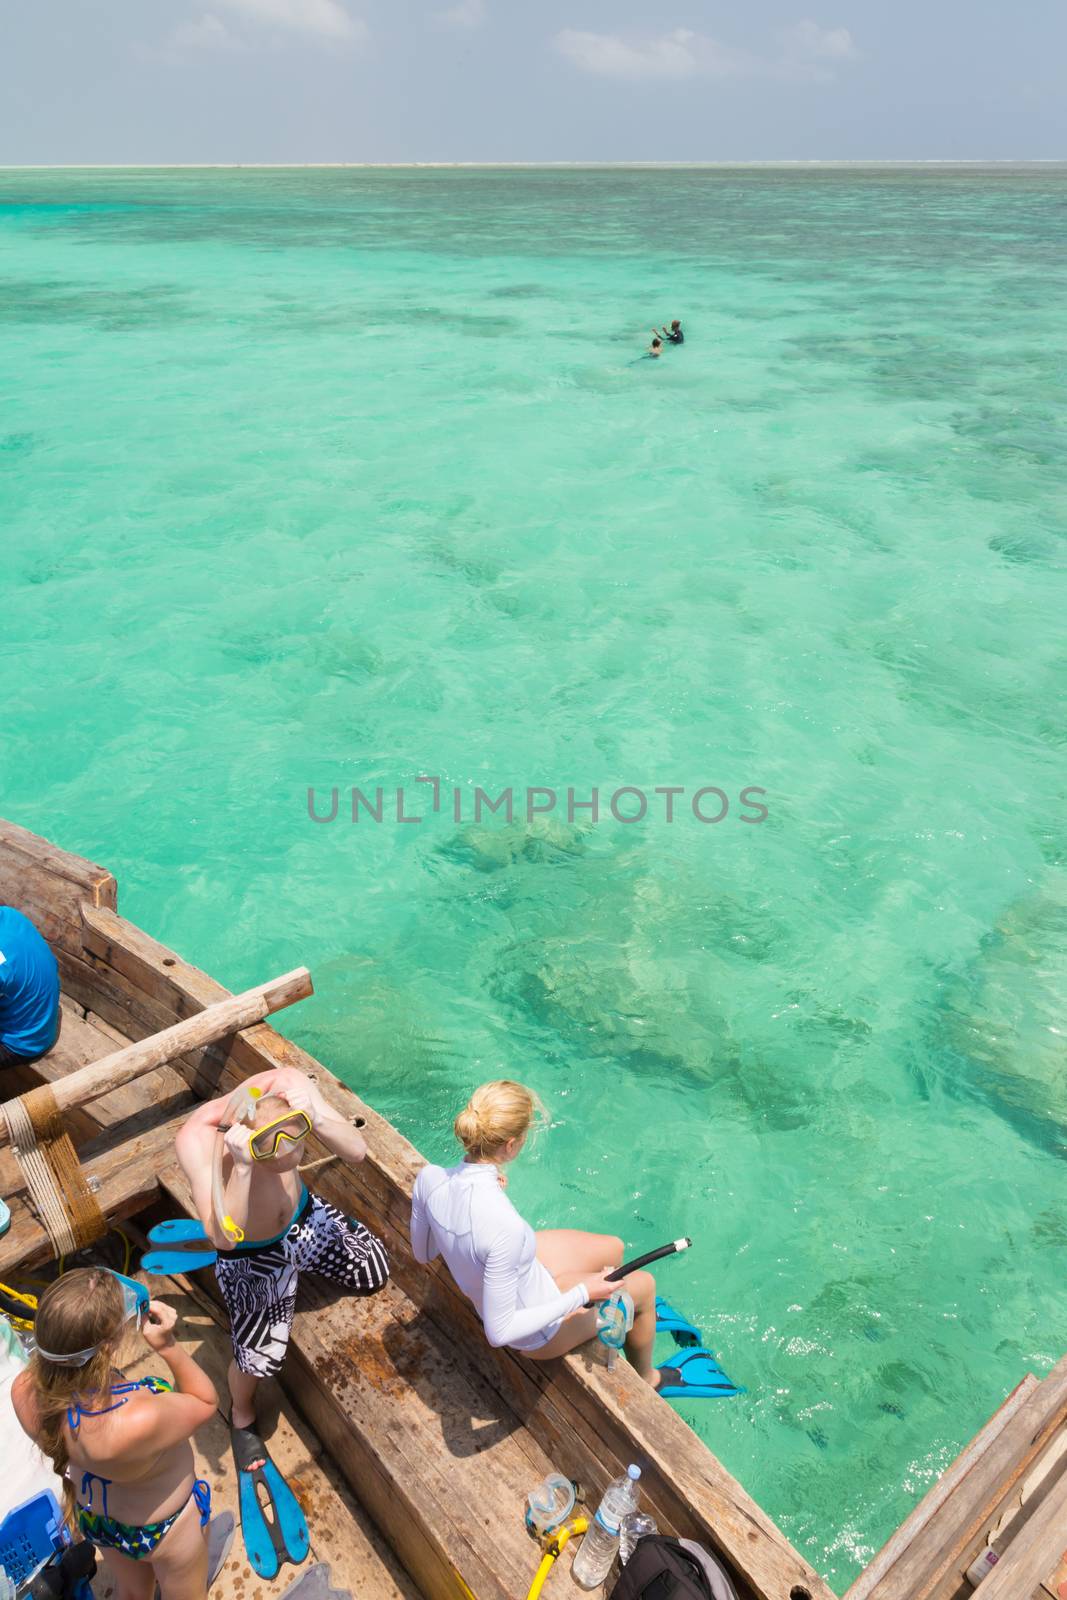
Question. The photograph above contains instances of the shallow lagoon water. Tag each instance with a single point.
(340, 478)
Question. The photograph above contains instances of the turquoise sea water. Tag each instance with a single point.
(335, 478)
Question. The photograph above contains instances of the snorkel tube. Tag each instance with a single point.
(551, 1520)
(675, 1247)
(242, 1108)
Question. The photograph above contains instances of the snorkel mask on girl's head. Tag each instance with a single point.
(291, 1128)
(134, 1305)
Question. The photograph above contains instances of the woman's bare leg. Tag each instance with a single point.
(570, 1250)
(641, 1286)
(128, 1579)
(576, 1329)
(180, 1559)
(642, 1336)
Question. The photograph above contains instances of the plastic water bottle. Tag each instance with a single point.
(593, 1561)
(633, 1527)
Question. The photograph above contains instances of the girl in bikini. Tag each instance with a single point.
(123, 1449)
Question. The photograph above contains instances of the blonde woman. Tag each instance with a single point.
(124, 1448)
(530, 1289)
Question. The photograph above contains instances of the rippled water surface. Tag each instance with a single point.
(341, 478)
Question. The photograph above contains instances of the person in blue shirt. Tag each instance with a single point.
(29, 991)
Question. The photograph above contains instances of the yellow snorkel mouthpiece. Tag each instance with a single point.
(242, 1108)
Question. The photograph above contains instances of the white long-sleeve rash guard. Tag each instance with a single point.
(464, 1215)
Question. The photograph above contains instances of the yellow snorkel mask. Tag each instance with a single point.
(267, 1141)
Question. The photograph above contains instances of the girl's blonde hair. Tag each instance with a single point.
(82, 1308)
(495, 1113)
(269, 1107)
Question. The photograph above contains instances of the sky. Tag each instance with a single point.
(175, 81)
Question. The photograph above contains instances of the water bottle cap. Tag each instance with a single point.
(634, 1473)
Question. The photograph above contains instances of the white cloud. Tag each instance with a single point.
(326, 18)
(609, 56)
(467, 14)
(808, 40)
(205, 33)
(805, 52)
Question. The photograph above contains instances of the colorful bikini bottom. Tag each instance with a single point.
(139, 1543)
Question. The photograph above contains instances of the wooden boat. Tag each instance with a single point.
(436, 1436)
(411, 1442)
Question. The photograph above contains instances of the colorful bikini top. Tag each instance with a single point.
(76, 1412)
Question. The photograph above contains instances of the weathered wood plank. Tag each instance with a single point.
(454, 1455)
(96, 987)
(1009, 1516)
(1032, 1551)
(941, 1548)
(83, 1040)
(1055, 1584)
(214, 1022)
(151, 969)
(936, 1496)
(50, 886)
(23, 851)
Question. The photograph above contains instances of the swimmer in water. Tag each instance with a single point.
(674, 333)
(656, 347)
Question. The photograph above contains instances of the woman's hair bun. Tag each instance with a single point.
(495, 1113)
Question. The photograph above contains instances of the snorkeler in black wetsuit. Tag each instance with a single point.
(674, 333)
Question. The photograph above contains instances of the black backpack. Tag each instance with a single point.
(672, 1569)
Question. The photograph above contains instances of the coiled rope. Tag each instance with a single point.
(67, 1208)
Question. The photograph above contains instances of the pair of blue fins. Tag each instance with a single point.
(272, 1524)
(694, 1374)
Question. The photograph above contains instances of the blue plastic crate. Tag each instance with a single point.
(30, 1536)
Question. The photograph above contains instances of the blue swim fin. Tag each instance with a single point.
(696, 1375)
(670, 1321)
(282, 1537)
(179, 1230)
(166, 1263)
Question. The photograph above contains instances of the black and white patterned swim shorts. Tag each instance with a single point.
(258, 1282)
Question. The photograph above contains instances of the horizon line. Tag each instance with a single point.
(290, 166)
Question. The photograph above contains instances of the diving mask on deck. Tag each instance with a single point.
(134, 1305)
(266, 1141)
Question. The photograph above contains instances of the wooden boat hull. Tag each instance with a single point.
(438, 1435)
